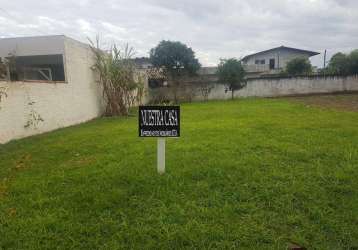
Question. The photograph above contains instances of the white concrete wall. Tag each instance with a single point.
(59, 104)
(264, 87)
(289, 86)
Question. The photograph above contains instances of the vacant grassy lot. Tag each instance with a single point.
(248, 174)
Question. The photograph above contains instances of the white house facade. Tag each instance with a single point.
(273, 60)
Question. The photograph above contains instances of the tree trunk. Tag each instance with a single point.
(232, 94)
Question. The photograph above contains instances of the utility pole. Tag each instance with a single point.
(324, 63)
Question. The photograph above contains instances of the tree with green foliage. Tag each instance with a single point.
(353, 62)
(299, 66)
(231, 73)
(338, 64)
(343, 64)
(176, 59)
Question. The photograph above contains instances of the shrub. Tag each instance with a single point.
(299, 66)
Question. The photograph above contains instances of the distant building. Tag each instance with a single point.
(156, 77)
(262, 63)
(273, 60)
(142, 62)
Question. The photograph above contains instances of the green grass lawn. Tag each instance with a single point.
(248, 174)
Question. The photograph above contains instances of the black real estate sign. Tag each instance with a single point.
(159, 121)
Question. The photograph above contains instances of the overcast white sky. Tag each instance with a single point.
(214, 29)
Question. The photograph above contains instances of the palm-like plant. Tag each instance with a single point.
(122, 86)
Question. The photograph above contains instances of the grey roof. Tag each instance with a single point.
(310, 53)
(141, 60)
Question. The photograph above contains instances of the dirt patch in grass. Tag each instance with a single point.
(346, 102)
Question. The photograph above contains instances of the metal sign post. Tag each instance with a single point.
(160, 122)
(161, 155)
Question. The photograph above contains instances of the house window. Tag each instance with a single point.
(48, 68)
(261, 61)
(33, 73)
